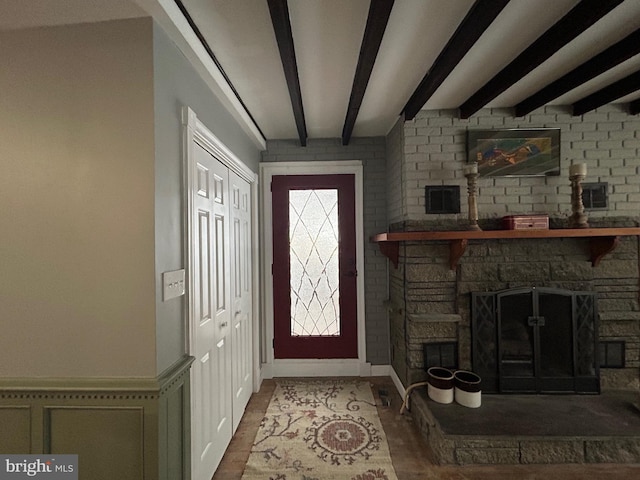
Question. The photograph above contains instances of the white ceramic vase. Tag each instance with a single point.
(467, 389)
(440, 386)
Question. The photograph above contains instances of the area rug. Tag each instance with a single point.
(320, 430)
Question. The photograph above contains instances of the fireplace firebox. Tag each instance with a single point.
(535, 340)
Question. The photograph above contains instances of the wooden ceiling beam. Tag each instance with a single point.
(279, 11)
(379, 12)
(609, 58)
(619, 89)
(475, 22)
(579, 18)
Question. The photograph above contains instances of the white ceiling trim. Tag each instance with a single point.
(173, 22)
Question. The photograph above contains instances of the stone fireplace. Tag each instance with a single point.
(436, 277)
(564, 311)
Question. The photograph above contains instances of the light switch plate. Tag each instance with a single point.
(172, 284)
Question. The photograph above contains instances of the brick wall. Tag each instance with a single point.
(371, 152)
(395, 171)
(607, 140)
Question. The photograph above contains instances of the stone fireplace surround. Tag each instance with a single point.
(429, 302)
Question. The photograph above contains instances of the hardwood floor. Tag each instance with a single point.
(411, 456)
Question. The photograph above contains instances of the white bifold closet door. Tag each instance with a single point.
(221, 330)
(241, 316)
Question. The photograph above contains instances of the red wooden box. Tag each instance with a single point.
(525, 222)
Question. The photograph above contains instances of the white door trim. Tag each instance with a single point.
(257, 298)
(281, 367)
(198, 132)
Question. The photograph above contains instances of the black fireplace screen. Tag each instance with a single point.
(537, 340)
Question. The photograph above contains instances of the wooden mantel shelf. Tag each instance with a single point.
(601, 240)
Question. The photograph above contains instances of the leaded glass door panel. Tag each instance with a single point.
(314, 270)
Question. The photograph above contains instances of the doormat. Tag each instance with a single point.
(325, 429)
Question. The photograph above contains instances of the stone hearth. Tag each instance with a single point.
(550, 429)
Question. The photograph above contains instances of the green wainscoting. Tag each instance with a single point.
(129, 429)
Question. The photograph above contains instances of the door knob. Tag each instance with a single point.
(224, 324)
(536, 321)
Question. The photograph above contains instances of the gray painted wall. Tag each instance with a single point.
(177, 84)
(371, 151)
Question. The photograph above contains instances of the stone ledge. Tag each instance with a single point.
(552, 451)
(434, 317)
(486, 456)
(619, 315)
(453, 449)
(612, 450)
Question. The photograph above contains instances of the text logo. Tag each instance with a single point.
(50, 467)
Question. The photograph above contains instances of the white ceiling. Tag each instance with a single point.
(327, 35)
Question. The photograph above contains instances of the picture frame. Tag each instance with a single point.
(515, 152)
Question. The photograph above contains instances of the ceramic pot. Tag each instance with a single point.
(440, 384)
(467, 389)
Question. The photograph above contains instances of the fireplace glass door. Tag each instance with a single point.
(517, 338)
(537, 340)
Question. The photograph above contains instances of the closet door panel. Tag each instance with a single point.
(210, 320)
(241, 295)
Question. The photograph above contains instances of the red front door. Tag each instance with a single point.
(314, 266)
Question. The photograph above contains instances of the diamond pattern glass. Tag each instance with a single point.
(313, 253)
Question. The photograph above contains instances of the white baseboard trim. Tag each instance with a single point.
(265, 371)
(316, 368)
(397, 382)
(380, 370)
(259, 377)
(325, 368)
(365, 369)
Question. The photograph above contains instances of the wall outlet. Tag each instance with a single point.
(172, 284)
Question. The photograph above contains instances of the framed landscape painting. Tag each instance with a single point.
(515, 152)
